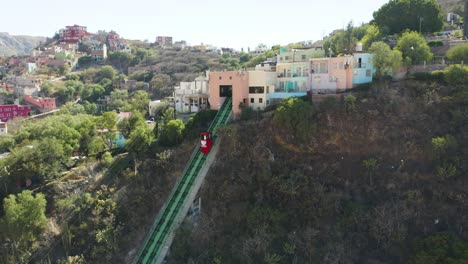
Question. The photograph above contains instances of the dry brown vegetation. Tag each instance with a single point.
(361, 188)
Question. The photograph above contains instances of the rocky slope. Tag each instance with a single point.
(17, 45)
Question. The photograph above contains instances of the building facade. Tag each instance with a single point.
(73, 34)
(363, 68)
(261, 85)
(293, 69)
(45, 104)
(9, 112)
(331, 75)
(192, 96)
(99, 52)
(164, 40)
(233, 84)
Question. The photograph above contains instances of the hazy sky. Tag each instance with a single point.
(241, 23)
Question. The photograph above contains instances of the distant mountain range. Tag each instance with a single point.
(18, 45)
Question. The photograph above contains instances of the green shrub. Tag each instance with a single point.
(350, 103)
(435, 43)
(458, 53)
(435, 76)
(456, 74)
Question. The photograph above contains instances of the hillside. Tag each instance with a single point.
(451, 5)
(363, 187)
(17, 45)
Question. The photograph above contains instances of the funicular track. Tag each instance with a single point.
(165, 222)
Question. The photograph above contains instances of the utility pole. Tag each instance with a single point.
(420, 23)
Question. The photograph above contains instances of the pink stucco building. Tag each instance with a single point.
(233, 84)
(329, 75)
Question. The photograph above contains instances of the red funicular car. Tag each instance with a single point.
(206, 142)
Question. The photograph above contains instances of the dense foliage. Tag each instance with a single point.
(397, 16)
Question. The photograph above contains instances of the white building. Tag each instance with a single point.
(192, 96)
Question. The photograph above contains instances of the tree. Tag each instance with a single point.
(386, 61)
(24, 220)
(458, 54)
(418, 15)
(172, 133)
(106, 123)
(121, 60)
(159, 85)
(140, 101)
(372, 34)
(105, 72)
(295, 115)
(128, 125)
(92, 92)
(456, 75)
(349, 41)
(139, 141)
(43, 159)
(414, 47)
(118, 100)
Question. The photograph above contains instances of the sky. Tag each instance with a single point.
(236, 24)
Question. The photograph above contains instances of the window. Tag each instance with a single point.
(268, 102)
(252, 100)
(220, 77)
(335, 65)
(305, 71)
(368, 73)
(260, 100)
(230, 77)
(297, 72)
(303, 57)
(286, 58)
(321, 67)
(256, 90)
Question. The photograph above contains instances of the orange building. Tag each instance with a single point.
(233, 84)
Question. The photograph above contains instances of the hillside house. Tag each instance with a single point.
(9, 112)
(23, 85)
(192, 96)
(44, 104)
(99, 52)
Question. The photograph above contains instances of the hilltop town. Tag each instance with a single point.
(347, 149)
